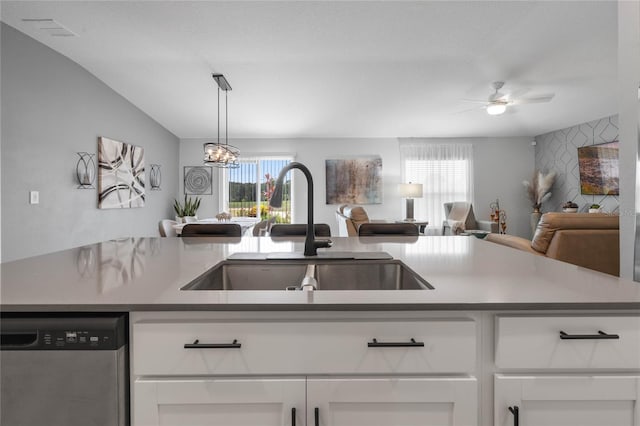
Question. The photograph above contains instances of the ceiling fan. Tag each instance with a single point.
(497, 102)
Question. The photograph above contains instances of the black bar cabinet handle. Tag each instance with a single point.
(293, 416)
(197, 345)
(316, 414)
(376, 344)
(600, 335)
(516, 414)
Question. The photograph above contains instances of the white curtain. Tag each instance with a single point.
(444, 170)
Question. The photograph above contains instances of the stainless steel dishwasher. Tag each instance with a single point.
(63, 370)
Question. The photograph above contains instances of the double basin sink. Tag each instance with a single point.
(326, 274)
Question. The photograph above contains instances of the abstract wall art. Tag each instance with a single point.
(599, 169)
(197, 180)
(120, 175)
(354, 180)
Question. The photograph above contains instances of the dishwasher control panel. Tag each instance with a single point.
(76, 339)
(86, 333)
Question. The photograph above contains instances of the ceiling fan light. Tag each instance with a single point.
(496, 109)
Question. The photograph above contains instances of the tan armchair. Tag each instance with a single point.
(459, 217)
(591, 240)
(349, 219)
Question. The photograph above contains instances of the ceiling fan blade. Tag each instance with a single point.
(468, 110)
(475, 101)
(532, 100)
(519, 93)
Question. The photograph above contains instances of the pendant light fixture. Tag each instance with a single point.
(222, 154)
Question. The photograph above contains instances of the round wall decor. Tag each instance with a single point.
(197, 180)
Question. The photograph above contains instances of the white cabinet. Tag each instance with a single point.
(559, 400)
(283, 402)
(196, 371)
(219, 402)
(385, 368)
(567, 370)
(392, 401)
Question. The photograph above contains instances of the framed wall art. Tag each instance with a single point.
(197, 180)
(354, 180)
(120, 175)
(598, 166)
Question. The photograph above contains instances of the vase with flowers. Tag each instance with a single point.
(538, 190)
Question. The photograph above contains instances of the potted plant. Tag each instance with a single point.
(186, 212)
(595, 208)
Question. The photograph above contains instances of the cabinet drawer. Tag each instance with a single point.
(568, 342)
(309, 347)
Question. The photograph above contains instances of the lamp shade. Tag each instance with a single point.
(410, 190)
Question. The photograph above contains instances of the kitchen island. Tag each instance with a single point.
(137, 274)
(504, 336)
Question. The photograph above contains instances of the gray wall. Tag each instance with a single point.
(500, 165)
(558, 151)
(51, 109)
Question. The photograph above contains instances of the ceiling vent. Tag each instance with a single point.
(51, 27)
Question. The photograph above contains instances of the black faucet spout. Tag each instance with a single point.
(311, 245)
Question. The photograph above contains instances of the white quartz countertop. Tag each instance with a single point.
(147, 274)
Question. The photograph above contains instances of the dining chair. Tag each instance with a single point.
(388, 229)
(299, 230)
(263, 227)
(165, 227)
(212, 230)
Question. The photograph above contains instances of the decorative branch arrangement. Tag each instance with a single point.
(539, 189)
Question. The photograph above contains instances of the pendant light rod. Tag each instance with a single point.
(223, 84)
(218, 154)
(226, 117)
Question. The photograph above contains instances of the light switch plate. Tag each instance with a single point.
(34, 197)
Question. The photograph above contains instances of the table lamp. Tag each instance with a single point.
(410, 191)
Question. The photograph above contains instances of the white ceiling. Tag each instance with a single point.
(343, 69)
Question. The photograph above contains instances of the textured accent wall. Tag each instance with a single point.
(558, 151)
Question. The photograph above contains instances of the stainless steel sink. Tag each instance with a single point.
(330, 275)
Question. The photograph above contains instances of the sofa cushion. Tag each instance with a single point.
(551, 222)
(592, 248)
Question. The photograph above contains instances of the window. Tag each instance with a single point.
(445, 170)
(248, 188)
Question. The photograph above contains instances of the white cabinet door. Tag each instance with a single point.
(219, 402)
(567, 400)
(392, 402)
